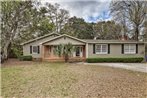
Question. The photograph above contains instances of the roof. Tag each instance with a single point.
(38, 38)
(81, 40)
(111, 41)
(63, 36)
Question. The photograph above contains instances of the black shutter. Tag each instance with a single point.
(108, 48)
(38, 50)
(93, 48)
(30, 49)
(122, 49)
(136, 48)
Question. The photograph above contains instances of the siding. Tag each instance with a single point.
(115, 51)
(26, 47)
(65, 40)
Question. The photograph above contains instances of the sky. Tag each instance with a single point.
(89, 10)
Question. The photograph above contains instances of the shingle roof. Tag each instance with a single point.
(85, 40)
(39, 38)
(111, 41)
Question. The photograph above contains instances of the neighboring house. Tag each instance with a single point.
(43, 48)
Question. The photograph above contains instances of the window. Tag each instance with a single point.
(101, 49)
(35, 49)
(129, 48)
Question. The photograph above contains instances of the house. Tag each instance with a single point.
(43, 48)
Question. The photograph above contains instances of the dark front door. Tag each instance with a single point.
(77, 51)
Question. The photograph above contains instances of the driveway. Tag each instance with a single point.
(141, 67)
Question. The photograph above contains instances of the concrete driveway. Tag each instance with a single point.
(141, 67)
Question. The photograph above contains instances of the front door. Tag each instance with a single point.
(79, 52)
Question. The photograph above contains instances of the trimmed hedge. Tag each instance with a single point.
(123, 60)
(25, 58)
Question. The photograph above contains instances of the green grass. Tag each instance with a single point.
(37, 81)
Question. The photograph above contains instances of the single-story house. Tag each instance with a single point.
(43, 48)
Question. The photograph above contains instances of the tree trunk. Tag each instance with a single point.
(5, 50)
(66, 58)
(136, 33)
(145, 46)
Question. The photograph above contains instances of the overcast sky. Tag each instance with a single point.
(90, 10)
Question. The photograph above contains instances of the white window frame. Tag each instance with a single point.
(129, 48)
(101, 49)
(33, 49)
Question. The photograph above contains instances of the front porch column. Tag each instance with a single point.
(42, 51)
(86, 50)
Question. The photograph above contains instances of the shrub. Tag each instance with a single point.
(146, 58)
(123, 60)
(25, 58)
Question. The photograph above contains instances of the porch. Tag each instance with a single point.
(49, 54)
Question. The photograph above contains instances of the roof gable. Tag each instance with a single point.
(38, 38)
(64, 39)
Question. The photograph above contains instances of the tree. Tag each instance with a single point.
(39, 23)
(132, 13)
(22, 21)
(145, 31)
(64, 50)
(14, 15)
(57, 16)
(106, 30)
(145, 38)
(77, 27)
(44, 27)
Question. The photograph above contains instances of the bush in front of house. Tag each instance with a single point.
(25, 58)
(146, 58)
(123, 60)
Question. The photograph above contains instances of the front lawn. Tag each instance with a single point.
(40, 80)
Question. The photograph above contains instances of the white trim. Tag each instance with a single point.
(74, 38)
(129, 50)
(101, 52)
(130, 53)
(63, 36)
(116, 42)
(86, 50)
(101, 49)
(81, 51)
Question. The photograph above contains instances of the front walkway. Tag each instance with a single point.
(141, 67)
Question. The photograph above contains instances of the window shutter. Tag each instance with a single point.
(30, 49)
(108, 48)
(122, 49)
(136, 48)
(93, 48)
(38, 50)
